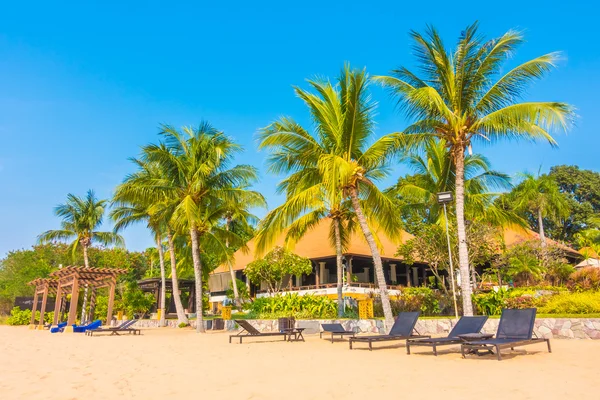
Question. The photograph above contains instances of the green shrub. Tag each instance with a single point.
(490, 303)
(23, 317)
(572, 303)
(520, 302)
(294, 305)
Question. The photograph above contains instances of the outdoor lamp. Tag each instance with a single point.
(444, 197)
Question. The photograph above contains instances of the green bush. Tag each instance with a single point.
(572, 303)
(490, 303)
(294, 305)
(23, 317)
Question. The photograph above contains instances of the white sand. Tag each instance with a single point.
(171, 362)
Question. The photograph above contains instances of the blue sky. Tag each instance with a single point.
(83, 86)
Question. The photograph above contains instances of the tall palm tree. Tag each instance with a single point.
(541, 197)
(138, 202)
(199, 185)
(461, 97)
(238, 214)
(434, 172)
(125, 214)
(81, 217)
(333, 165)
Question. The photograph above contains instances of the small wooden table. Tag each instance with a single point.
(473, 337)
(294, 334)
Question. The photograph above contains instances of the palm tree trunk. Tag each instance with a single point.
(463, 252)
(541, 227)
(362, 220)
(181, 317)
(86, 261)
(163, 282)
(340, 267)
(198, 276)
(236, 297)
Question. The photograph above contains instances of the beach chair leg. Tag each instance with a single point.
(240, 340)
(549, 348)
(332, 338)
(370, 346)
(435, 350)
(498, 353)
(350, 342)
(462, 350)
(407, 347)
(229, 339)
(320, 335)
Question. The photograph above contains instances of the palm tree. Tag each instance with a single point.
(460, 98)
(81, 217)
(125, 214)
(238, 214)
(332, 165)
(138, 202)
(434, 172)
(541, 197)
(198, 187)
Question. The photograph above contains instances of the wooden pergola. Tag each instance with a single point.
(43, 286)
(72, 278)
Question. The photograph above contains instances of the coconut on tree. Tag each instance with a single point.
(463, 96)
(333, 170)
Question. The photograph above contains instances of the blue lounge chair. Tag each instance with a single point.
(464, 326)
(58, 328)
(515, 329)
(403, 329)
(84, 328)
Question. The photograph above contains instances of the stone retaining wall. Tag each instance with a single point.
(560, 328)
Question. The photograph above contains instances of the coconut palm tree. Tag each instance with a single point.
(125, 214)
(434, 172)
(137, 201)
(198, 187)
(461, 97)
(238, 215)
(541, 197)
(333, 165)
(81, 217)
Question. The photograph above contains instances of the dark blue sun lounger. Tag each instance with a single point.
(464, 326)
(125, 327)
(403, 329)
(514, 330)
(335, 330)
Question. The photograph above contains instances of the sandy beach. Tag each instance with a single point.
(172, 362)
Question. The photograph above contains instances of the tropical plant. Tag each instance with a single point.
(81, 217)
(434, 172)
(459, 99)
(198, 186)
(294, 305)
(277, 265)
(331, 166)
(539, 196)
(136, 202)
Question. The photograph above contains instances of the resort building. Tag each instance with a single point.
(358, 265)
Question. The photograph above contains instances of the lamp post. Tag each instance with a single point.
(444, 198)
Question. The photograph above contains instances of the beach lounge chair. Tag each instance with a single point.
(401, 330)
(464, 326)
(251, 331)
(125, 327)
(84, 328)
(58, 328)
(335, 330)
(514, 330)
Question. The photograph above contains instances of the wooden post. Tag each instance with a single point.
(111, 300)
(349, 271)
(43, 309)
(192, 299)
(34, 308)
(74, 300)
(57, 304)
